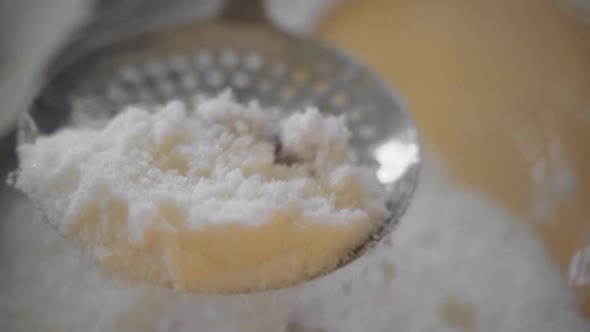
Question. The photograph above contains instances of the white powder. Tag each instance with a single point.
(456, 263)
(212, 198)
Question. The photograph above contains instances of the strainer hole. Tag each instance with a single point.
(130, 74)
(117, 94)
(308, 102)
(253, 61)
(354, 115)
(278, 69)
(155, 69)
(180, 63)
(320, 87)
(165, 88)
(287, 93)
(339, 100)
(264, 87)
(229, 58)
(189, 82)
(145, 94)
(367, 132)
(240, 79)
(300, 76)
(204, 59)
(214, 78)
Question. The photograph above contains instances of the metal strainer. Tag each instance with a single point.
(243, 51)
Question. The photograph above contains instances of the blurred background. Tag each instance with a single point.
(502, 90)
(498, 238)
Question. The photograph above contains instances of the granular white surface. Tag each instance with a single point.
(456, 263)
(213, 198)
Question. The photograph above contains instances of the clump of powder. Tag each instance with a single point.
(216, 196)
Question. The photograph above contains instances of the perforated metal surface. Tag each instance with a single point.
(256, 62)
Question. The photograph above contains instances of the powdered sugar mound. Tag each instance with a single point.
(211, 197)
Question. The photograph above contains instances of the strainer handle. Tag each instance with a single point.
(245, 10)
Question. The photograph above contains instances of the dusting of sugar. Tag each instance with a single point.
(452, 245)
(198, 197)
